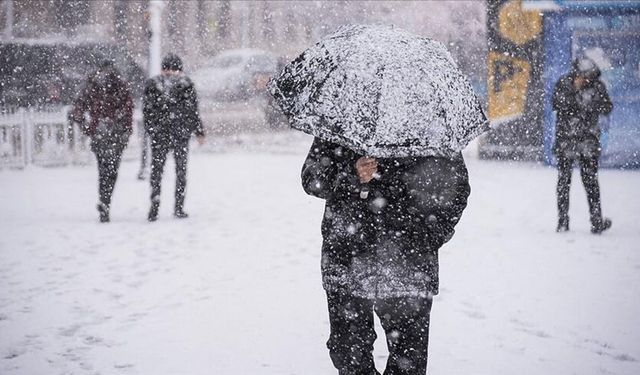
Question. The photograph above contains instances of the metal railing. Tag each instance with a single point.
(45, 137)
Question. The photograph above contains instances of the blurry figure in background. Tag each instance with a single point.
(106, 96)
(170, 109)
(579, 98)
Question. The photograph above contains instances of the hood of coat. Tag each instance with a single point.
(108, 79)
(586, 68)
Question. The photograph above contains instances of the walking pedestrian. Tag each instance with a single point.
(170, 109)
(389, 112)
(106, 96)
(380, 249)
(579, 98)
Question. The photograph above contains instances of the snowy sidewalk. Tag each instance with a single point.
(235, 289)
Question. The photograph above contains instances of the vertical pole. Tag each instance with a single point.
(66, 140)
(8, 23)
(155, 36)
(27, 137)
(245, 25)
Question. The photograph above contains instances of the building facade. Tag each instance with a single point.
(198, 29)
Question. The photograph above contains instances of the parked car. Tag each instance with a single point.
(233, 86)
(233, 75)
(34, 72)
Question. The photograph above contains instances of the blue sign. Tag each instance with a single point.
(611, 39)
(580, 5)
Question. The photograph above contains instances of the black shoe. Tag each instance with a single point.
(601, 227)
(563, 225)
(153, 212)
(179, 214)
(103, 210)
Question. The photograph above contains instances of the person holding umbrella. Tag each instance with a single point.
(390, 113)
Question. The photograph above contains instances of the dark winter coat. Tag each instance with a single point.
(170, 109)
(577, 128)
(385, 245)
(106, 96)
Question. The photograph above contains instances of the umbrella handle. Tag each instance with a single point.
(364, 192)
(364, 188)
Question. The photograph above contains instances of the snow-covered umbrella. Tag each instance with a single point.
(382, 92)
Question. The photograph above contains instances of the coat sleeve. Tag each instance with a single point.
(80, 104)
(79, 107)
(193, 115)
(604, 105)
(445, 216)
(561, 101)
(327, 172)
(149, 104)
(126, 114)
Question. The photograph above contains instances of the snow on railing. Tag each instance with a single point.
(45, 137)
(12, 138)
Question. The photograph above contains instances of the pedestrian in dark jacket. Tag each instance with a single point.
(383, 225)
(106, 96)
(170, 117)
(579, 98)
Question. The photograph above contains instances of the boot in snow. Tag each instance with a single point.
(103, 210)
(180, 214)
(601, 226)
(153, 212)
(563, 225)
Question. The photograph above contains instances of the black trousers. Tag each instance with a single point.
(108, 151)
(406, 325)
(589, 174)
(144, 156)
(159, 151)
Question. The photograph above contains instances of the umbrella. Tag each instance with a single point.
(382, 92)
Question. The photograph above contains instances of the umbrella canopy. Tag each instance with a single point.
(382, 92)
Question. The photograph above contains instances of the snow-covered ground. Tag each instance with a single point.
(235, 289)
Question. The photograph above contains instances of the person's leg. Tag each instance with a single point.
(406, 325)
(158, 158)
(565, 166)
(180, 153)
(144, 145)
(103, 198)
(352, 334)
(102, 160)
(589, 174)
(113, 156)
(103, 176)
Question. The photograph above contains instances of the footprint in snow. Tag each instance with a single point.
(625, 358)
(474, 314)
(535, 332)
(521, 323)
(14, 353)
(69, 331)
(602, 344)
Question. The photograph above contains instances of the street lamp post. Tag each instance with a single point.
(8, 19)
(155, 36)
